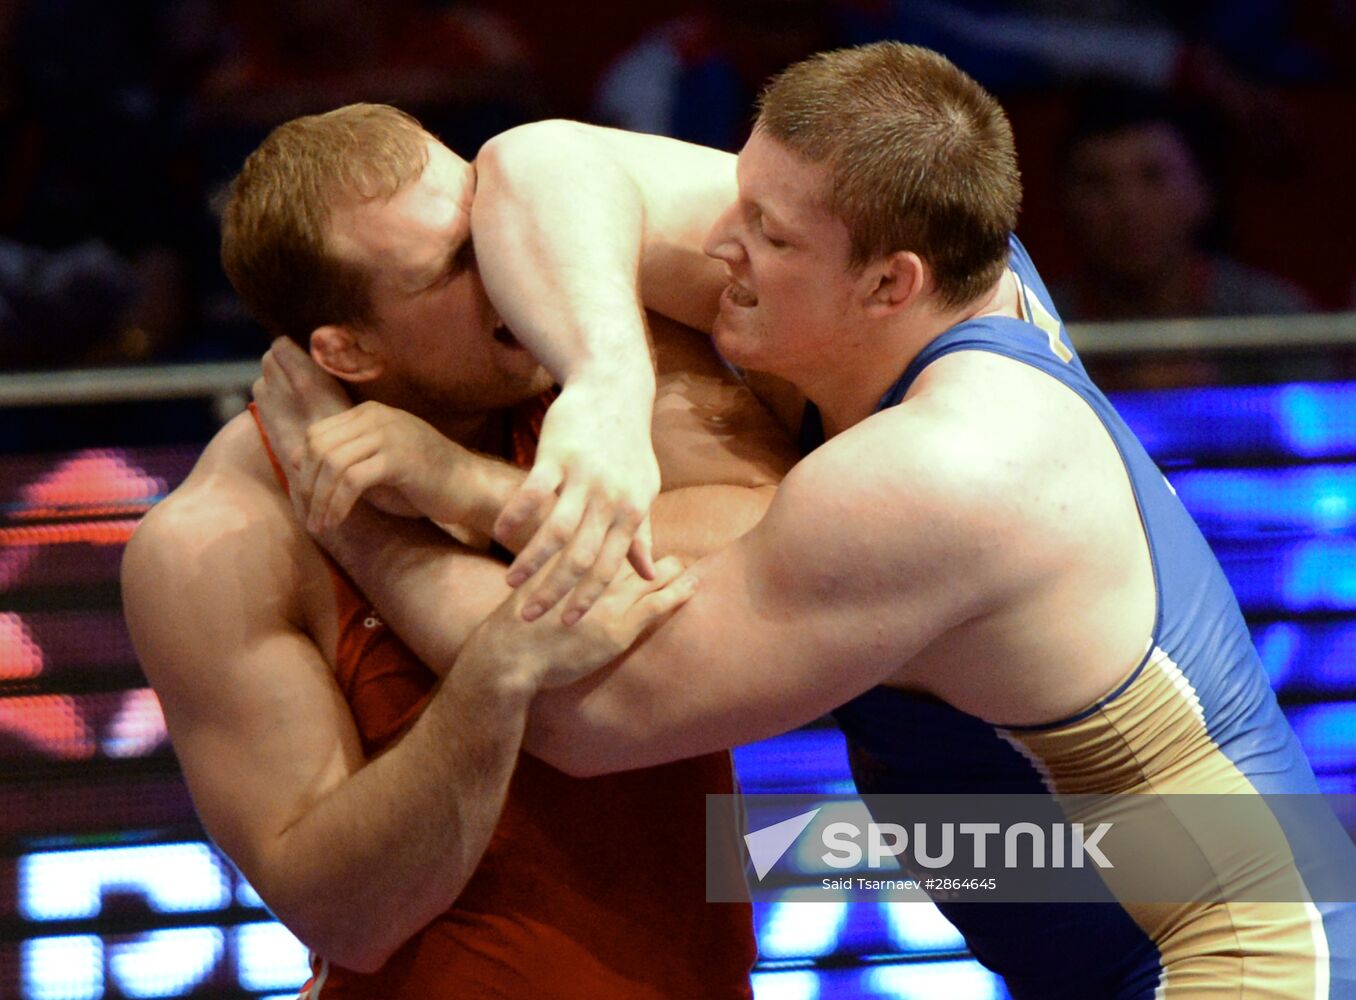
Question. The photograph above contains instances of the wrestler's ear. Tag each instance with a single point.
(893, 283)
(345, 353)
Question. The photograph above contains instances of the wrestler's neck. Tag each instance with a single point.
(475, 430)
(848, 393)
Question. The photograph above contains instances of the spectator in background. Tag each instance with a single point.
(1138, 201)
(461, 68)
(1329, 27)
(1229, 55)
(1209, 49)
(92, 185)
(92, 134)
(81, 305)
(695, 77)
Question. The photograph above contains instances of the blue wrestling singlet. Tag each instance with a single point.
(1196, 716)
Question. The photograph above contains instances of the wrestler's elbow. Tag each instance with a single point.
(513, 155)
(569, 740)
(585, 764)
(343, 936)
(595, 757)
(575, 766)
(364, 959)
(543, 741)
(346, 927)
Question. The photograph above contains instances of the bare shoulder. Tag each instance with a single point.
(920, 457)
(1032, 441)
(230, 495)
(921, 489)
(216, 554)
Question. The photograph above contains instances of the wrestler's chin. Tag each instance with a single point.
(519, 364)
(524, 384)
(515, 389)
(737, 342)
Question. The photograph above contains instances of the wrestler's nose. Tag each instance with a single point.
(722, 242)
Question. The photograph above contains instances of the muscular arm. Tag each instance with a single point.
(268, 744)
(571, 221)
(721, 455)
(832, 593)
(564, 218)
(433, 592)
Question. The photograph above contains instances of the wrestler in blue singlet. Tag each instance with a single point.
(1197, 715)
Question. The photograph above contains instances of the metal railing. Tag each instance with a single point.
(228, 382)
(1308, 331)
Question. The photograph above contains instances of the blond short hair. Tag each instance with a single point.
(275, 224)
(921, 156)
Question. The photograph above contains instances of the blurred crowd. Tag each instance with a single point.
(1180, 159)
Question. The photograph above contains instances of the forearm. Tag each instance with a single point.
(482, 490)
(716, 441)
(433, 592)
(650, 707)
(430, 590)
(380, 857)
(638, 206)
(558, 230)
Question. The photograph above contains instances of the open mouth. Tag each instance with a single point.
(504, 336)
(740, 296)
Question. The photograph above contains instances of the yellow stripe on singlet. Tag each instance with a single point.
(1043, 320)
(1152, 739)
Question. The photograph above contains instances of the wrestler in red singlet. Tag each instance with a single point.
(590, 889)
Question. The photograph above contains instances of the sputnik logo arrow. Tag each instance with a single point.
(766, 846)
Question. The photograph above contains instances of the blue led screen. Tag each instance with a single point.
(109, 890)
